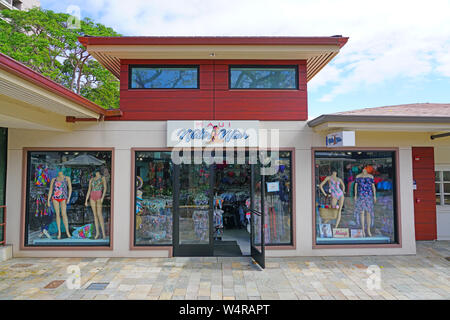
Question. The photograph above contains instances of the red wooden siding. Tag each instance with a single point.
(424, 195)
(213, 100)
(242, 104)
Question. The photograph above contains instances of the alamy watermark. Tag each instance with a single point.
(373, 282)
(73, 22)
(74, 279)
(232, 146)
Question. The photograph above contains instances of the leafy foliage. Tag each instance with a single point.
(41, 40)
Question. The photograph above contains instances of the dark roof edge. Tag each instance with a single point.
(211, 40)
(374, 118)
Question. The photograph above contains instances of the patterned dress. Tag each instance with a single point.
(364, 201)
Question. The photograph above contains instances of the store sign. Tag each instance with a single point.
(340, 139)
(212, 133)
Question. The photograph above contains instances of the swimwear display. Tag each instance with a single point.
(200, 219)
(368, 210)
(218, 223)
(96, 189)
(364, 201)
(335, 189)
(70, 174)
(60, 190)
(41, 176)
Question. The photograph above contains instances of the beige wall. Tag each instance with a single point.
(125, 135)
(416, 139)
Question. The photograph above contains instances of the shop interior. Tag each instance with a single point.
(231, 217)
(211, 201)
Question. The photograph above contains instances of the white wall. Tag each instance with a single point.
(124, 135)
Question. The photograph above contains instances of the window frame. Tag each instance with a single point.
(24, 204)
(264, 66)
(396, 195)
(133, 245)
(167, 66)
(292, 243)
(441, 182)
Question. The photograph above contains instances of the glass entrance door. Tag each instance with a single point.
(257, 209)
(193, 210)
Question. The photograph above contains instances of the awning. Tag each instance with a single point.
(84, 160)
(31, 101)
(317, 51)
(419, 117)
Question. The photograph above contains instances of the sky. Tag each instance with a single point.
(398, 51)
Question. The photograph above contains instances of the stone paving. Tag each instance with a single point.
(422, 276)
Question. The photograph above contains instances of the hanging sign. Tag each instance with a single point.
(273, 186)
(212, 133)
(340, 139)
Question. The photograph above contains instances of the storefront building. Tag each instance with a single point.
(343, 185)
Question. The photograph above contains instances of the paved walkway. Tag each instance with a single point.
(423, 276)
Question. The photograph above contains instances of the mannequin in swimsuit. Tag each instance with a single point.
(61, 189)
(337, 190)
(96, 193)
(365, 198)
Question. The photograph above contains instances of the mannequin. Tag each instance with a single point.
(337, 190)
(365, 197)
(96, 194)
(60, 192)
(215, 137)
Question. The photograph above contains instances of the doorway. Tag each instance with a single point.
(231, 214)
(216, 211)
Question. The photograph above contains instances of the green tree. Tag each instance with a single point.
(41, 40)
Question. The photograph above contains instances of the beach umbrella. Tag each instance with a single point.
(84, 160)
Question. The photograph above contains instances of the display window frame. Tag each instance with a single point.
(133, 246)
(397, 199)
(293, 244)
(23, 219)
(283, 246)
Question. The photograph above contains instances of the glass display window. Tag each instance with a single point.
(355, 197)
(153, 198)
(68, 198)
(278, 202)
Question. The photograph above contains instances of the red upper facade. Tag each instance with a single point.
(213, 99)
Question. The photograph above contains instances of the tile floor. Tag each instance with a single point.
(422, 276)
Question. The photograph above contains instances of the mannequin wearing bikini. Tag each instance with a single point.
(365, 198)
(96, 194)
(337, 190)
(59, 194)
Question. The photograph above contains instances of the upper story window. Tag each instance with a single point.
(163, 77)
(442, 179)
(263, 77)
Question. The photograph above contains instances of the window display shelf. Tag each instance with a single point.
(70, 242)
(363, 240)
